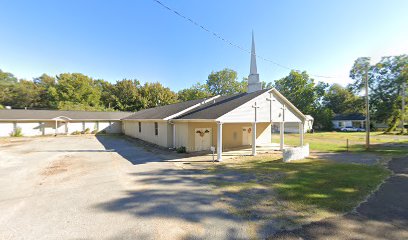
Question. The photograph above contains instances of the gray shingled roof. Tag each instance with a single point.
(220, 106)
(351, 116)
(163, 111)
(210, 110)
(21, 114)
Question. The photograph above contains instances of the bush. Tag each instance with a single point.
(181, 149)
(86, 131)
(17, 132)
(94, 131)
(76, 133)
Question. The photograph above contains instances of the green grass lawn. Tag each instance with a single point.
(297, 192)
(337, 141)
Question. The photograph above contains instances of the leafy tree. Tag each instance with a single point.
(341, 100)
(225, 82)
(155, 94)
(301, 90)
(323, 118)
(127, 95)
(385, 81)
(26, 94)
(266, 85)
(7, 82)
(307, 96)
(72, 106)
(76, 88)
(46, 87)
(108, 98)
(197, 91)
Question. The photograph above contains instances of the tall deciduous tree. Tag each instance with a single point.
(307, 96)
(225, 82)
(155, 94)
(197, 91)
(127, 95)
(26, 94)
(385, 81)
(7, 81)
(46, 87)
(76, 88)
(341, 100)
(300, 89)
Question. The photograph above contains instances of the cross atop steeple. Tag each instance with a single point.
(253, 79)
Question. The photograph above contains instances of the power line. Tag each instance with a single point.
(218, 36)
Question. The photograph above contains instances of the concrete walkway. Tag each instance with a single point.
(383, 216)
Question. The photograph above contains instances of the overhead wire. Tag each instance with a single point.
(220, 37)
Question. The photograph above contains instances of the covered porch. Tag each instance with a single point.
(257, 140)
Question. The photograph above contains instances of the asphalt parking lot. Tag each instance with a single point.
(105, 187)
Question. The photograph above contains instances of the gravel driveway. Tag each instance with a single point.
(87, 187)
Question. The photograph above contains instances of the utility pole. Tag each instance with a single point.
(403, 108)
(367, 110)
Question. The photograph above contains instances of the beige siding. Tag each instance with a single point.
(231, 134)
(182, 134)
(191, 133)
(148, 133)
(115, 127)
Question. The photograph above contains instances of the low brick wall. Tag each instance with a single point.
(295, 153)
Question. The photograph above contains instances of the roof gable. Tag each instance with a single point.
(351, 116)
(220, 106)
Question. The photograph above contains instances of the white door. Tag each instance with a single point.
(246, 136)
(202, 138)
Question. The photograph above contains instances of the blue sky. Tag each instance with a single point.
(140, 39)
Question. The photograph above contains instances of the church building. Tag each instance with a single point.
(222, 122)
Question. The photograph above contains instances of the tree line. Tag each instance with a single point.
(76, 91)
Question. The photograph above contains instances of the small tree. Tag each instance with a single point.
(17, 132)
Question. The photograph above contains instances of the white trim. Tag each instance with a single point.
(193, 120)
(219, 141)
(144, 120)
(288, 103)
(62, 118)
(190, 108)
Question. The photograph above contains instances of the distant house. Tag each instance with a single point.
(356, 120)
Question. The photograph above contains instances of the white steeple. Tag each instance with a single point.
(253, 79)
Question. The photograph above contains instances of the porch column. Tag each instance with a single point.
(254, 139)
(301, 133)
(219, 141)
(282, 134)
(174, 135)
(56, 127)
